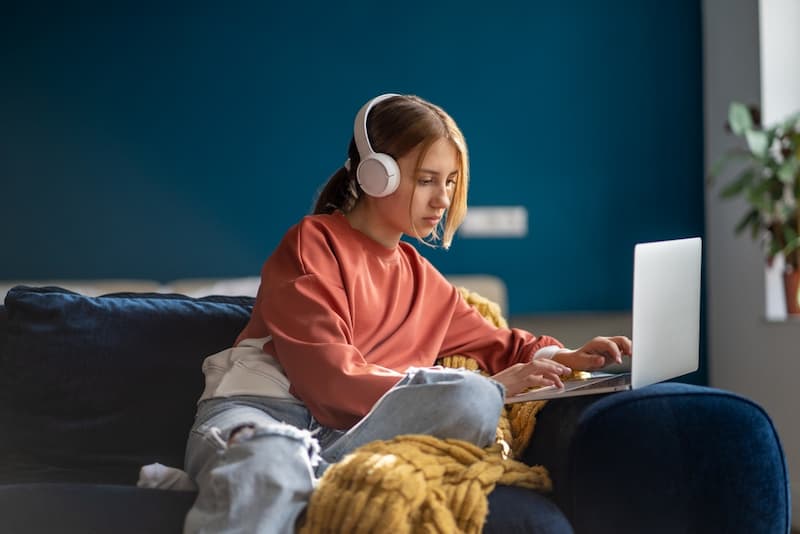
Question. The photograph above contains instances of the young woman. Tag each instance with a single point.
(349, 320)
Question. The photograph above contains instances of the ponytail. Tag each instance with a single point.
(341, 191)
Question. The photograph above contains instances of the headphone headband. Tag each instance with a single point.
(360, 126)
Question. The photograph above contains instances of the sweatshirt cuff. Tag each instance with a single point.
(546, 352)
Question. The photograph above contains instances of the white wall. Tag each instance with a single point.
(747, 354)
(779, 25)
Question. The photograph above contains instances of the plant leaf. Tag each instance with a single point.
(788, 233)
(774, 247)
(787, 171)
(739, 118)
(791, 122)
(744, 222)
(731, 155)
(758, 199)
(755, 228)
(784, 211)
(758, 142)
(735, 187)
(792, 240)
(790, 247)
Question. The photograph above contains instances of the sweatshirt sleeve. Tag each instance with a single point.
(494, 349)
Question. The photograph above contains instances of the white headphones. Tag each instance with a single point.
(377, 173)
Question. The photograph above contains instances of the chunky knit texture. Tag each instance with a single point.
(417, 483)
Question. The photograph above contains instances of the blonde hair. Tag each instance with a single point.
(395, 127)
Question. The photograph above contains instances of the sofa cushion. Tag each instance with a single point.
(91, 508)
(106, 381)
(83, 508)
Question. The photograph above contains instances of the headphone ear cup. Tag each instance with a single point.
(378, 175)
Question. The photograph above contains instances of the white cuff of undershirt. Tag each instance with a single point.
(546, 352)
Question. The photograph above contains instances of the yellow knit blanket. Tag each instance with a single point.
(416, 483)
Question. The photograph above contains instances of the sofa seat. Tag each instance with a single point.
(73, 508)
(43, 508)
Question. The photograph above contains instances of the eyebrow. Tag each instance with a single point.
(431, 171)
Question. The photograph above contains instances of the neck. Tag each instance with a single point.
(363, 218)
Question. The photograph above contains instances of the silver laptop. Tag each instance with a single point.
(666, 323)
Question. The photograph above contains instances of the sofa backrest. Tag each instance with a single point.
(91, 388)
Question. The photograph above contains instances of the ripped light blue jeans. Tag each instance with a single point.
(262, 483)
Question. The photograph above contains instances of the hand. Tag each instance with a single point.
(522, 376)
(596, 353)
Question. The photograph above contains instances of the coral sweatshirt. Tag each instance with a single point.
(339, 318)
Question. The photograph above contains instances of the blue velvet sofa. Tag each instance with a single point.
(92, 388)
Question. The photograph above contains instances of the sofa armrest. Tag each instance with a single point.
(667, 458)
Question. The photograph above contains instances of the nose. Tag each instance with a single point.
(441, 199)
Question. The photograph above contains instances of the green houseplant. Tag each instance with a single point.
(768, 178)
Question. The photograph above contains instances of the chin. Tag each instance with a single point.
(419, 234)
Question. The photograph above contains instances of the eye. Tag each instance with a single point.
(451, 183)
(425, 180)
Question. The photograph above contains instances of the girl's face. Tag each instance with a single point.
(428, 190)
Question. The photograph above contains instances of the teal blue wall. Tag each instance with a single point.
(135, 144)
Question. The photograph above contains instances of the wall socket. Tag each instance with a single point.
(495, 221)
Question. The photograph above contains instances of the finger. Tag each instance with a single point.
(546, 365)
(582, 359)
(589, 359)
(521, 387)
(624, 343)
(593, 361)
(522, 383)
(556, 380)
(608, 348)
(623, 347)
